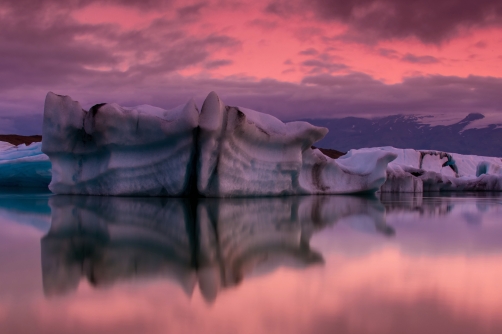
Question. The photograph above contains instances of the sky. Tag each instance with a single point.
(293, 59)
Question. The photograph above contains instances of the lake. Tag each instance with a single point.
(394, 263)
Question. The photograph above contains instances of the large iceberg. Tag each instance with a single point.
(222, 152)
(24, 166)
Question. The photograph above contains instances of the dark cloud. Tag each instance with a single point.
(265, 25)
(481, 45)
(411, 58)
(309, 52)
(277, 8)
(49, 49)
(27, 7)
(317, 66)
(321, 62)
(408, 57)
(192, 10)
(218, 63)
(430, 21)
(359, 79)
(388, 53)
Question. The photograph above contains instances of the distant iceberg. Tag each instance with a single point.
(24, 166)
(222, 152)
(417, 171)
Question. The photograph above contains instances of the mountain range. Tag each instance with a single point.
(473, 134)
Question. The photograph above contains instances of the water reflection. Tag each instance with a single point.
(435, 205)
(394, 264)
(212, 243)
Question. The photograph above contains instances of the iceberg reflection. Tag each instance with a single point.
(212, 243)
(431, 205)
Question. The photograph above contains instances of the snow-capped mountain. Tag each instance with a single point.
(472, 134)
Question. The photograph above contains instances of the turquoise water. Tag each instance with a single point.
(312, 264)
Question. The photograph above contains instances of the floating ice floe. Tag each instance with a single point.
(222, 152)
(417, 171)
(24, 166)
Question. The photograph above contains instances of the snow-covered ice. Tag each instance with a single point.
(24, 166)
(427, 170)
(111, 150)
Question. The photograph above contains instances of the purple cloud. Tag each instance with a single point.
(317, 66)
(411, 58)
(388, 53)
(218, 63)
(309, 52)
(432, 22)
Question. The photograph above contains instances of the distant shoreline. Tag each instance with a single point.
(18, 139)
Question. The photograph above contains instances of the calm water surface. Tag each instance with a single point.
(329, 264)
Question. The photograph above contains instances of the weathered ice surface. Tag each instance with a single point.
(212, 243)
(24, 166)
(418, 171)
(356, 171)
(243, 152)
(112, 150)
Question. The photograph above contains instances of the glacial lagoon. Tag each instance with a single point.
(392, 263)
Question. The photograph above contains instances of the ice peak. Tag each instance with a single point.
(211, 114)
